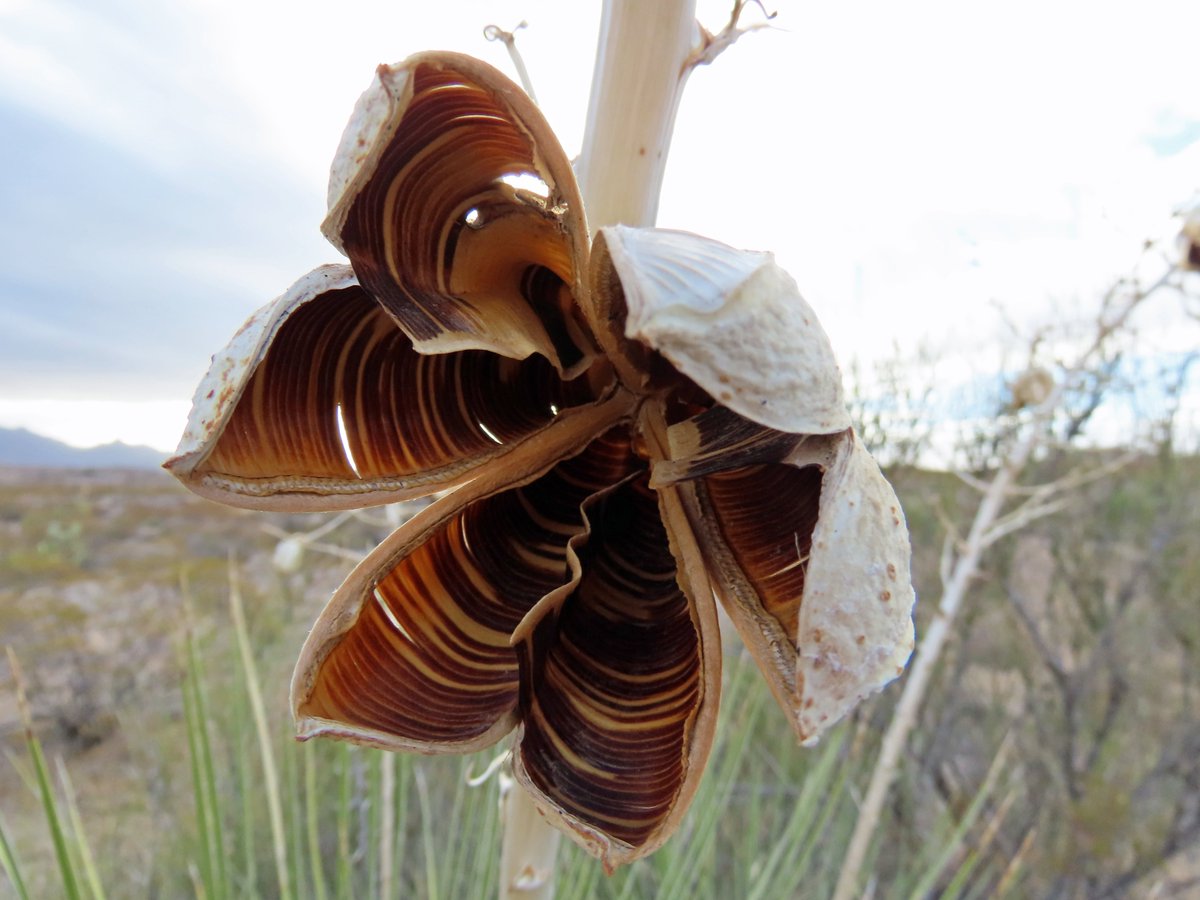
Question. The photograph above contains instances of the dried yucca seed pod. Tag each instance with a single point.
(627, 431)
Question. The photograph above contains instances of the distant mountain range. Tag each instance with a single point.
(19, 447)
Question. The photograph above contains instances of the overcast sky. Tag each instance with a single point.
(163, 166)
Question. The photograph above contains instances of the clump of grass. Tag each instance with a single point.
(70, 858)
(334, 821)
(210, 868)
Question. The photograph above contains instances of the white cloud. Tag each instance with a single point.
(135, 78)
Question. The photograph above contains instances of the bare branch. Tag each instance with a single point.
(306, 541)
(1049, 658)
(1075, 478)
(1118, 690)
(1025, 514)
(713, 45)
(972, 482)
(949, 526)
(946, 563)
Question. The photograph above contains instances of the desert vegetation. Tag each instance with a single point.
(1055, 753)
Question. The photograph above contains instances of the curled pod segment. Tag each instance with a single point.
(808, 548)
(459, 211)
(321, 402)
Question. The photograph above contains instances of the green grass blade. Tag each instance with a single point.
(691, 860)
(431, 868)
(212, 791)
(203, 872)
(213, 871)
(292, 793)
(474, 846)
(270, 774)
(580, 881)
(12, 867)
(368, 820)
(66, 865)
(953, 844)
(454, 860)
(344, 809)
(404, 780)
(835, 812)
(958, 886)
(955, 888)
(312, 813)
(806, 812)
(198, 890)
(487, 800)
(81, 842)
(248, 786)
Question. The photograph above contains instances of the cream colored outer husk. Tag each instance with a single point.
(231, 368)
(734, 322)
(855, 629)
(376, 115)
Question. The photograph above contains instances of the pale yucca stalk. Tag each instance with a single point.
(643, 56)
